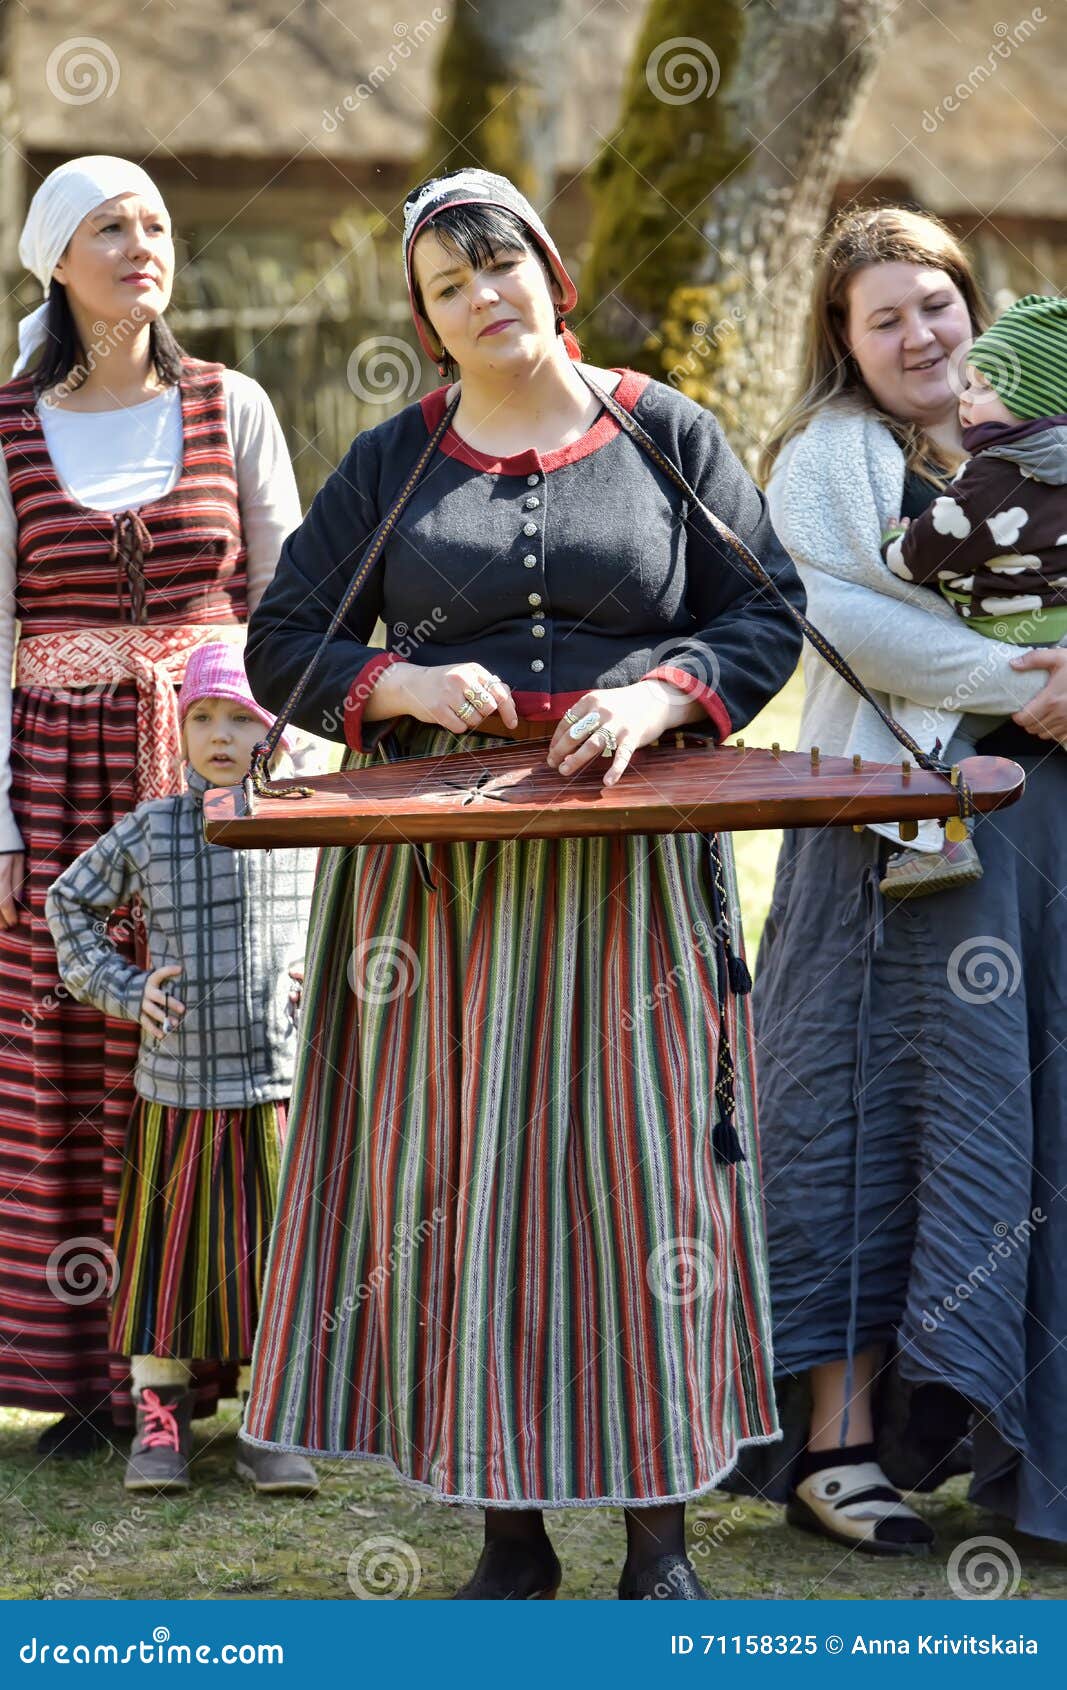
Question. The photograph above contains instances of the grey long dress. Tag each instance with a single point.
(912, 1063)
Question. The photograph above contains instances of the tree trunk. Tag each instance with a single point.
(499, 82)
(709, 199)
(11, 193)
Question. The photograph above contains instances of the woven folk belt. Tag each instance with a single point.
(153, 657)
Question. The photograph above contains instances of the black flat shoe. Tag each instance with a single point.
(78, 1435)
(513, 1572)
(669, 1578)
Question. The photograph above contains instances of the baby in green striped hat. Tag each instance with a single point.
(995, 546)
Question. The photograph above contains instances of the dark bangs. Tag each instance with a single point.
(478, 233)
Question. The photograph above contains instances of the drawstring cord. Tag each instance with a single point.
(867, 903)
(131, 543)
(732, 978)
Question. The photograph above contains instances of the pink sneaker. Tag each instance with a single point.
(918, 874)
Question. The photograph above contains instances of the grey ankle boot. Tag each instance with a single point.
(274, 1472)
(159, 1454)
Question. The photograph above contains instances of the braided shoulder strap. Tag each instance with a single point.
(257, 780)
(752, 565)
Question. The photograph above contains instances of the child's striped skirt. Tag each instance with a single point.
(507, 1259)
(198, 1194)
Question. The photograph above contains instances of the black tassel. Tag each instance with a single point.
(740, 978)
(724, 1141)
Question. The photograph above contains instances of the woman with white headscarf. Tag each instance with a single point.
(144, 498)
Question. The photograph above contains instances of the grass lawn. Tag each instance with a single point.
(71, 1531)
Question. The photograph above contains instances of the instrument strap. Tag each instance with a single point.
(257, 780)
(925, 759)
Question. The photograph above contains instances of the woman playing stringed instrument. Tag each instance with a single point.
(518, 1252)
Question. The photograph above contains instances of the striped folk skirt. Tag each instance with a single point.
(506, 1259)
(195, 1207)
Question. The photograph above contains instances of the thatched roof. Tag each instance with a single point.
(266, 79)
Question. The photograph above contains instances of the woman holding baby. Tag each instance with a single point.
(913, 1071)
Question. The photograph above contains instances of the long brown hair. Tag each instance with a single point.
(874, 235)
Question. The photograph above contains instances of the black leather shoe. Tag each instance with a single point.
(510, 1571)
(78, 1435)
(668, 1578)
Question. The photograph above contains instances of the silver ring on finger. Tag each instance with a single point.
(585, 724)
(167, 1027)
(466, 710)
(607, 742)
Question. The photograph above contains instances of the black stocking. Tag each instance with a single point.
(525, 1526)
(654, 1531)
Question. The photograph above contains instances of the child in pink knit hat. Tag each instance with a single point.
(215, 682)
(216, 1009)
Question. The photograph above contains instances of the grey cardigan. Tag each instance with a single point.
(234, 920)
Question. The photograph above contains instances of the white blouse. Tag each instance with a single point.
(121, 459)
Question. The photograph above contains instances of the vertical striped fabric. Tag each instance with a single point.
(505, 1259)
(66, 1072)
(195, 1207)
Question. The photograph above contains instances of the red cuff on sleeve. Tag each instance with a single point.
(360, 691)
(693, 688)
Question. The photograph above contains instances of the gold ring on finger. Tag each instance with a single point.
(466, 710)
(607, 742)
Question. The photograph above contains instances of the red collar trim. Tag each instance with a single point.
(631, 385)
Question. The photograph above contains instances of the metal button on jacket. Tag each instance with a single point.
(529, 528)
(537, 665)
(531, 504)
(534, 598)
(532, 480)
(538, 631)
(530, 560)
